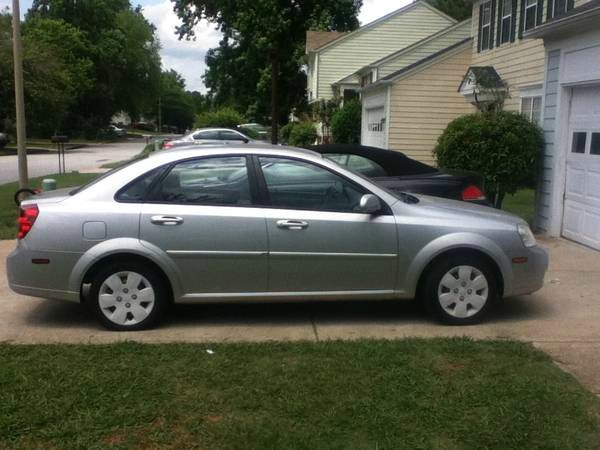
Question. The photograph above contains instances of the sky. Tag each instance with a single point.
(187, 57)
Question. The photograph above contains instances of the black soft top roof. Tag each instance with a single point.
(394, 163)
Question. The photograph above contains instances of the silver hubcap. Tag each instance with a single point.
(463, 291)
(126, 298)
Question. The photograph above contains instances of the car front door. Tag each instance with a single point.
(317, 242)
(201, 214)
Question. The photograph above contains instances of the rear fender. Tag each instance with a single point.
(131, 246)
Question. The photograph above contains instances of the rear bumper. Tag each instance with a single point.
(529, 277)
(45, 280)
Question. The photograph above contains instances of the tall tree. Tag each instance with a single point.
(273, 29)
(177, 105)
(123, 49)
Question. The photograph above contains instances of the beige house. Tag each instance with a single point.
(334, 58)
(410, 96)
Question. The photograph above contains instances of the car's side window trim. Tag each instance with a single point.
(387, 211)
(166, 169)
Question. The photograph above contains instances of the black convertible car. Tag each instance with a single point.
(399, 173)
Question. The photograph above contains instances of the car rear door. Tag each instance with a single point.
(202, 215)
(317, 243)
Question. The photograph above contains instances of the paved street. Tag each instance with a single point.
(84, 159)
(562, 319)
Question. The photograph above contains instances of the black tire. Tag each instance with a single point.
(153, 277)
(431, 288)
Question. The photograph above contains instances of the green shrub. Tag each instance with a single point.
(303, 134)
(500, 146)
(345, 125)
(285, 132)
(224, 117)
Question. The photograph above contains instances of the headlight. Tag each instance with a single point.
(526, 235)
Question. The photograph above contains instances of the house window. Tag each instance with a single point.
(531, 7)
(531, 107)
(559, 7)
(367, 79)
(505, 20)
(349, 95)
(486, 26)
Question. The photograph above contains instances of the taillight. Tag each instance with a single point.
(472, 193)
(168, 145)
(27, 217)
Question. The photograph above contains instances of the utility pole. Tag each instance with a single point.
(19, 95)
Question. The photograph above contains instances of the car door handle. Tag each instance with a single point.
(166, 220)
(292, 224)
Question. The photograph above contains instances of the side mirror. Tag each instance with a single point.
(369, 204)
(245, 140)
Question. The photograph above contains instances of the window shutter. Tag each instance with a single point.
(492, 22)
(513, 21)
(549, 10)
(479, 32)
(499, 24)
(521, 19)
(570, 4)
(539, 11)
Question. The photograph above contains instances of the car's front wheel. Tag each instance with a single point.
(128, 296)
(460, 290)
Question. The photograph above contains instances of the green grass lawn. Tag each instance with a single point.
(522, 204)
(413, 394)
(8, 209)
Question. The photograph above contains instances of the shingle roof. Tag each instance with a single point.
(425, 60)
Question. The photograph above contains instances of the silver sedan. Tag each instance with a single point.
(249, 223)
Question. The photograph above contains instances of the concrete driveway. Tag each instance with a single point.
(562, 319)
(83, 160)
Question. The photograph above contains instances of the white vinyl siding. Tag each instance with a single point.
(362, 48)
(417, 53)
(519, 63)
(424, 102)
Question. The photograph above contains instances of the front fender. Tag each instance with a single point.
(125, 245)
(457, 241)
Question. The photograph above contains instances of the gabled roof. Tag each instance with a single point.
(373, 24)
(483, 76)
(414, 46)
(422, 63)
(317, 39)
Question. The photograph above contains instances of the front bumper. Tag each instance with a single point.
(529, 277)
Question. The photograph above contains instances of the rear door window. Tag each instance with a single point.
(208, 181)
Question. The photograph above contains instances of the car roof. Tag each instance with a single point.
(191, 151)
(215, 129)
(395, 163)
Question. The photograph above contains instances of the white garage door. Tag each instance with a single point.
(375, 130)
(581, 220)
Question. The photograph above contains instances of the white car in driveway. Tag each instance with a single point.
(210, 136)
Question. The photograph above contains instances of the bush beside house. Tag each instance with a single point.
(501, 146)
(302, 134)
(346, 123)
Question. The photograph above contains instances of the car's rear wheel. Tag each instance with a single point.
(460, 290)
(128, 296)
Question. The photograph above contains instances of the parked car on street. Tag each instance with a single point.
(117, 130)
(248, 222)
(209, 136)
(399, 173)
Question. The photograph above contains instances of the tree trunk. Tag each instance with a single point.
(499, 200)
(274, 96)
